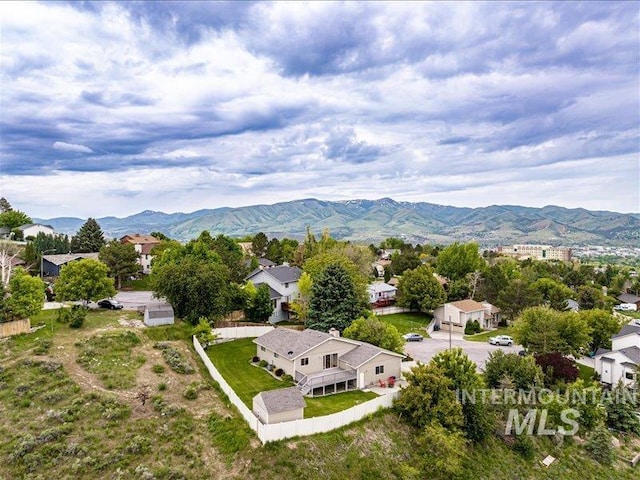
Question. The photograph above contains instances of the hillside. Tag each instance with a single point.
(374, 220)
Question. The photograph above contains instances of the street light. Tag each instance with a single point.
(41, 260)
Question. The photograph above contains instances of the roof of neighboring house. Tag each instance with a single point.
(137, 238)
(380, 287)
(5, 230)
(265, 262)
(28, 225)
(147, 247)
(159, 311)
(16, 262)
(572, 305)
(492, 309)
(468, 305)
(632, 353)
(61, 259)
(602, 351)
(393, 281)
(363, 353)
(282, 273)
(282, 400)
(628, 298)
(627, 330)
(273, 294)
(441, 280)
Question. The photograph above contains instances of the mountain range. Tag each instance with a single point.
(374, 220)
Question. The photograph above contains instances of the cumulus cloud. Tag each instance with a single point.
(71, 147)
(462, 103)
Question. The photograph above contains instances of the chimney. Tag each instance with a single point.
(334, 333)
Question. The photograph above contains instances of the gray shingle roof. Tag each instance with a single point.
(282, 400)
(628, 298)
(265, 262)
(626, 330)
(27, 225)
(282, 273)
(63, 258)
(284, 340)
(360, 355)
(632, 353)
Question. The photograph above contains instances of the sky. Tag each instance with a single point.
(114, 108)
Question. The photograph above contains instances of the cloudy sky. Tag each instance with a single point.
(114, 108)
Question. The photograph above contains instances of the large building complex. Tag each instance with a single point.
(537, 252)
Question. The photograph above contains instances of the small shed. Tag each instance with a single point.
(160, 314)
(282, 405)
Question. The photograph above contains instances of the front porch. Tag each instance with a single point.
(326, 382)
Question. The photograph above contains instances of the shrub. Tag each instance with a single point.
(174, 358)
(278, 372)
(157, 368)
(255, 359)
(524, 446)
(162, 387)
(287, 378)
(599, 446)
(557, 367)
(190, 393)
(262, 363)
(74, 316)
(43, 346)
(472, 327)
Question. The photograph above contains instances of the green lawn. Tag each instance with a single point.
(232, 359)
(139, 285)
(408, 322)
(485, 336)
(631, 314)
(586, 373)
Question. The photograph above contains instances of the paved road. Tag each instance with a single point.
(130, 300)
(439, 341)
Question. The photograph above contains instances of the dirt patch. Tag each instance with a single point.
(131, 323)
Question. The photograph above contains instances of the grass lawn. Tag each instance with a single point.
(586, 373)
(139, 285)
(631, 314)
(408, 322)
(232, 359)
(485, 336)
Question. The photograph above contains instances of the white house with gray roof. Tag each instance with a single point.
(622, 361)
(323, 363)
(283, 287)
(281, 405)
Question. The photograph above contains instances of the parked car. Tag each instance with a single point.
(501, 340)
(110, 304)
(413, 337)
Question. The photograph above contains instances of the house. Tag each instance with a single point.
(621, 362)
(492, 316)
(143, 245)
(629, 298)
(323, 363)
(51, 264)
(33, 229)
(381, 294)
(283, 286)
(281, 405)
(158, 314)
(457, 314)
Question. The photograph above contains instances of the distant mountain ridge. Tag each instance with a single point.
(374, 220)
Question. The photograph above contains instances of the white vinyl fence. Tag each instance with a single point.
(308, 426)
(241, 332)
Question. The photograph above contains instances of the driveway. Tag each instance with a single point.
(132, 300)
(478, 352)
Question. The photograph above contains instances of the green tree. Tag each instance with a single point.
(554, 294)
(14, 218)
(121, 259)
(160, 236)
(429, 397)
(89, 238)
(621, 408)
(599, 446)
(455, 364)
(456, 261)
(229, 252)
(334, 300)
(590, 298)
(259, 244)
(376, 332)
(524, 372)
(26, 294)
(5, 206)
(419, 290)
(300, 305)
(518, 295)
(442, 452)
(85, 280)
(544, 330)
(259, 305)
(317, 265)
(603, 325)
(403, 261)
(204, 333)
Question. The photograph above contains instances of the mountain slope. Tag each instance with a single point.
(373, 220)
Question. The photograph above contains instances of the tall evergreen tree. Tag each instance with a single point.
(121, 258)
(334, 300)
(89, 238)
(5, 206)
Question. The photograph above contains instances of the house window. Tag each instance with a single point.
(275, 355)
(628, 375)
(380, 370)
(331, 360)
(286, 285)
(304, 361)
(262, 349)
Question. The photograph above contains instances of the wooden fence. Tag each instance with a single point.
(15, 327)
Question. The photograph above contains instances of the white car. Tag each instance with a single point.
(501, 340)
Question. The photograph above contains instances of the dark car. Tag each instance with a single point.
(110, 304)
